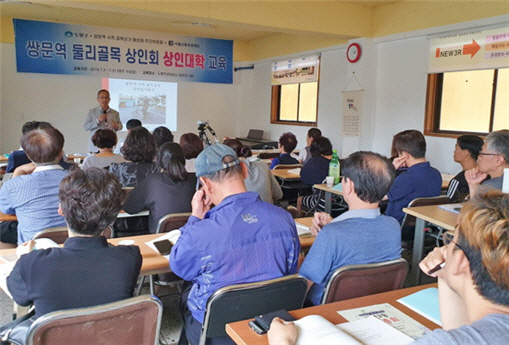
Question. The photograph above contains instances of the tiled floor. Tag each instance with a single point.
(170, 326)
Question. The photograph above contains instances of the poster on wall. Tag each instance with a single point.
(352, 111)
(44, 47)
(470, 50)
(301, 70)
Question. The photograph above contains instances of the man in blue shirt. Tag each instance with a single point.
(32, 193)
(359, 236)
(419, 181)
(241, 240)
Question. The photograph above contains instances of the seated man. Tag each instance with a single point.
(86, 271)
(287, 143)
(18, 158)
(419, 181)
(241, 240)
(466, 153)
(32, 193)
(493, 159)
(359, 236)
(473, 286)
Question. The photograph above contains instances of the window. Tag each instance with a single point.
(295, 104)
(467, 102)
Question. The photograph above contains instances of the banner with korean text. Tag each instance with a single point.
(470, 50)
(301, 70)
(44, 47)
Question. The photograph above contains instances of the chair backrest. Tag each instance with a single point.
(58, 234)
(361, 280)
(244, 301)
(288, 166)
(172, 221)
(268, 155)
(134, 320)
(409, 221)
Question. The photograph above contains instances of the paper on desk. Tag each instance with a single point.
(302, 230)
(390, 315)
(295, 171)
(454, 208)
(373, 331)
(338, 187)
(173, 236)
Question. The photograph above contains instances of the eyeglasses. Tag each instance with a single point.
(448, 238)
(102, 97)
(488, 154)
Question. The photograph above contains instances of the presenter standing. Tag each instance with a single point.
(101, 117)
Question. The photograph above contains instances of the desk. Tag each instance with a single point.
(328, 195)
(426, 214)
(243, 335)
(284, 174)
(7, 217)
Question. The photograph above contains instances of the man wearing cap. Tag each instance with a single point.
(241, 240)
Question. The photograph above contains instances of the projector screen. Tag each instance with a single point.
(154, 103)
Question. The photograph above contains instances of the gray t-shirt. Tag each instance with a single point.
(495, 182)
(101, 162)
(490, 330)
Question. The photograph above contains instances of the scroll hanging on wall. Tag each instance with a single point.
(352, 111)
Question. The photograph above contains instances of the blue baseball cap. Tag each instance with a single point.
(210, 160)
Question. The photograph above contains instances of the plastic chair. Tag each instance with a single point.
(244, 301)
(361, 280)
(169, 222)
(60, 234)
(409, 220)
(172, 221)
(135, 321)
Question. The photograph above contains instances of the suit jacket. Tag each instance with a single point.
(92, 125)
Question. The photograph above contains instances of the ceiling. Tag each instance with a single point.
(124, 15)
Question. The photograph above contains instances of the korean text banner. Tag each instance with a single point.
(302, 70)
(43, 47)
(470, 51)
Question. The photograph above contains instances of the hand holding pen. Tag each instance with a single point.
(434, 261)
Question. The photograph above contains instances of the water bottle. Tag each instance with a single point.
(334, 166)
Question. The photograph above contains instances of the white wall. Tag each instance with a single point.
(64, 100)
(393, 74)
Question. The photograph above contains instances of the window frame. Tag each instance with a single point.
(433, 108)
(276, 102)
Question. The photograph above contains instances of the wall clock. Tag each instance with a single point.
(353, 53)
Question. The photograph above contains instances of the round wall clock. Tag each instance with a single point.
(353, 53)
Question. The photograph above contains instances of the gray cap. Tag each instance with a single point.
(210, 160)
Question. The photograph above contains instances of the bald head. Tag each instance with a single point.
(371, 173)
(43, 145)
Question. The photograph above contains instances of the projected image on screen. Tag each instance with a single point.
(154, 103)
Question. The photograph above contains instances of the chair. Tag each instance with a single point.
(268, 155)
(134, 320)
(172, 221)
(169, 222)
(60, 234)
(244, 301)
(409, 220)
(361, 280)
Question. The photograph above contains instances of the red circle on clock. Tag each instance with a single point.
(353, 53)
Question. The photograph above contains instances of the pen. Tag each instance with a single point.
(436, 268)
